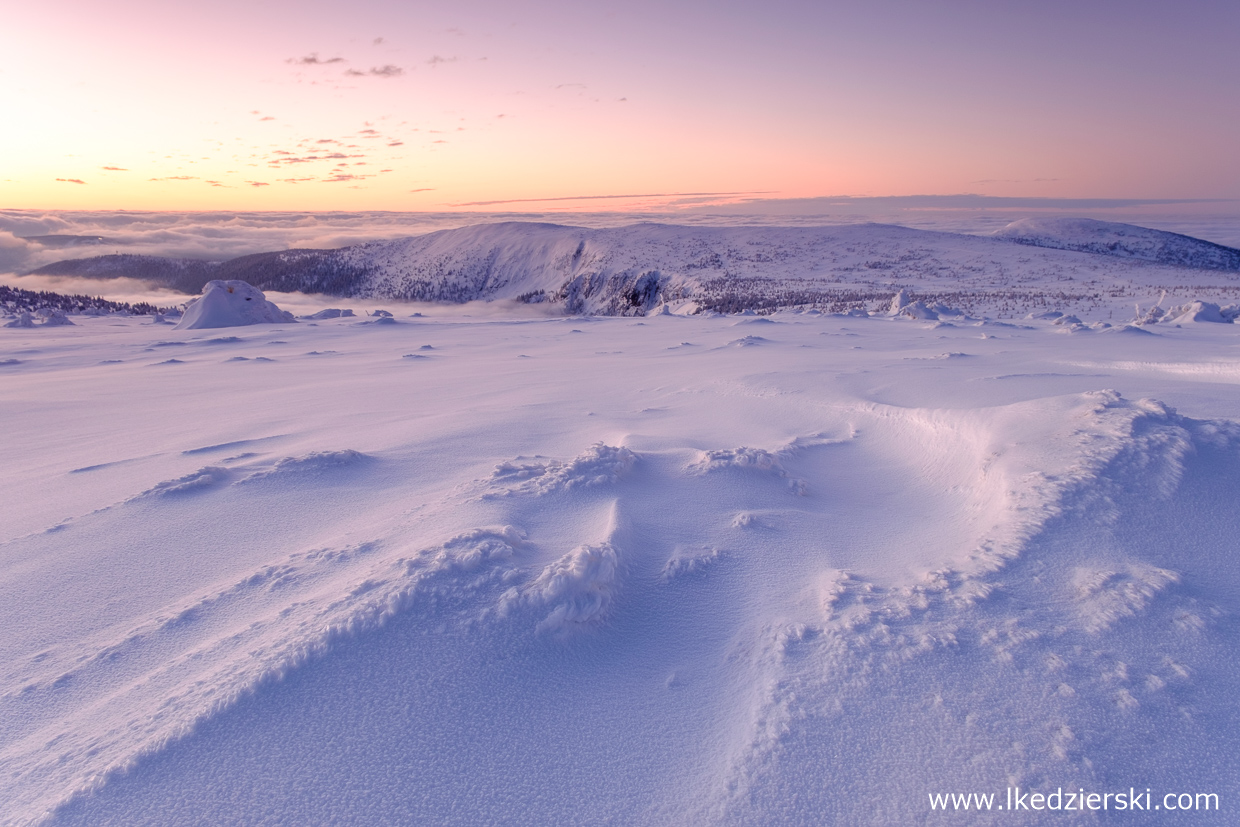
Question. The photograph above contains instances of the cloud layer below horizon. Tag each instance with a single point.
(32, 238)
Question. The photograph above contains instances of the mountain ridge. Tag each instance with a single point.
(630, 270)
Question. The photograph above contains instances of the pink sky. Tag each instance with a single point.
(418, 106)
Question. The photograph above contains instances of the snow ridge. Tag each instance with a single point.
(644, 268)
(1122, 240)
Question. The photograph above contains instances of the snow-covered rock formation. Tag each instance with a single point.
(231, 304)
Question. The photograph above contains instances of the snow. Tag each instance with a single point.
(1122, 240)
(661, 571)
(1076, 266)
(230, 304)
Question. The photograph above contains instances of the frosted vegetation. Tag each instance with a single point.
(786, 567)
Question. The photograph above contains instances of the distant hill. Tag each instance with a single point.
(1123, 240)
(629, 270)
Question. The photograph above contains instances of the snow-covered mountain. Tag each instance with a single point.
(629, 270)
(1123, 240)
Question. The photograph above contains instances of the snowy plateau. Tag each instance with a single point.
(929, 514)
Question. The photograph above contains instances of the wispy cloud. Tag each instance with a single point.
(435, 60)
(71, 180)
(610, 197)
(313, 59)
(1014, 181)
(115, 169)
(385, 71)
(309, 159)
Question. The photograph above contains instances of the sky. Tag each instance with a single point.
(542, 105)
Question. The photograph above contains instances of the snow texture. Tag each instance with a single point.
(626, 580)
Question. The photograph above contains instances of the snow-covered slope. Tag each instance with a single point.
(1124, 240)
(781, 570)
(629, 270)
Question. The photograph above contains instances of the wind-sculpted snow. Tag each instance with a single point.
(170, 670)
(577, 589)
(756, 459)
(201, 479)
(599, 465)
(621, 581)
(686, 562)
(315, 463)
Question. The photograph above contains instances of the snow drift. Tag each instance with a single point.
(613, 571)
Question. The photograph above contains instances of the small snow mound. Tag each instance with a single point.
(23, 319)
(756, 459)
(329, 313)
(54, 317)
(600, 465)
(918, 310)
(742, 457)
(579, 588)
(902, 306)
(1199, 311)
(1130, 329)
(230, 304)
(1045, 315)
(381, 313)
(312, 463)
(748, 341)
(201, 479)
(1105, 596)
(686, 562)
